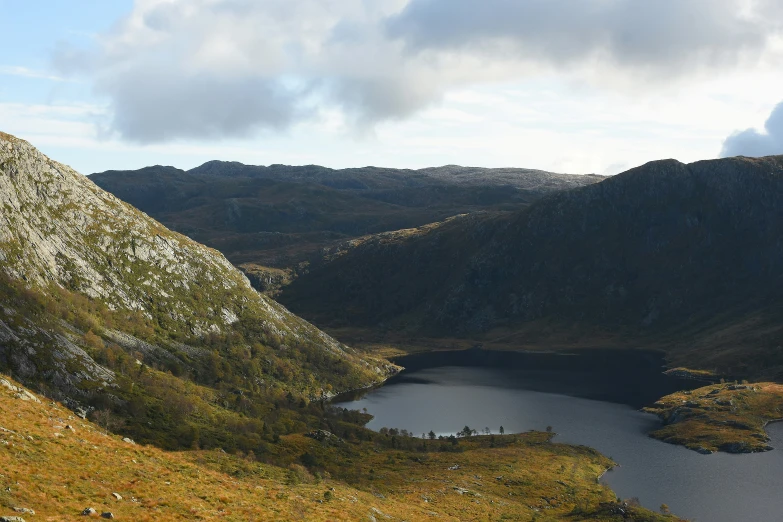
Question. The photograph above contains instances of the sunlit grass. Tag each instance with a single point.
(59, 471)
(721, 417)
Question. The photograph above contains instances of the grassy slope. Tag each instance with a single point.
(59, 471)
(721, 417)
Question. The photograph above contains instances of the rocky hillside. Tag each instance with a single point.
(94, 290)
(683, 257)
(280, 215)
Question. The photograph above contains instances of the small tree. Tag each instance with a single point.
(502, 431)
(665, 509)
(467, 431)
(431, 435)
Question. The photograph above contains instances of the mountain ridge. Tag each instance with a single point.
(658, 249)
(280, 215)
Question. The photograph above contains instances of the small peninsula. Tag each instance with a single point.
(721, 417)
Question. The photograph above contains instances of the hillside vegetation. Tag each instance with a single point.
(283, 215)
(722, 417)
(685, 258)
(57, 465)
(146, 330)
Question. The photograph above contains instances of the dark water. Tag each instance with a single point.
(591, 399)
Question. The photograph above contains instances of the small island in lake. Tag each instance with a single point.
(720, 417)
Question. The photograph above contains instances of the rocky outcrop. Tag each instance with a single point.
(59, 232)
(57, 227)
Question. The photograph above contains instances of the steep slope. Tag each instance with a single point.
(683, 257)
(87, 279)
(280, 215)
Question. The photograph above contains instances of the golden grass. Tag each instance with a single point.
(697, 374)
(58, 465)
(721, 417)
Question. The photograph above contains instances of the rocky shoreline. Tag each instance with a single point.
(729, 418)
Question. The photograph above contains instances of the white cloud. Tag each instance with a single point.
(209, 69)
(757, 143)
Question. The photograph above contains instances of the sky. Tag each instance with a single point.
(576, 86)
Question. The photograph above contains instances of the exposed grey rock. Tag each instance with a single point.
(116, 496)
(324, 436)
(19, 392)
(11, 519)
(24, 510)
(132, 344)
(57, 228)
(88, 512)
(107, 514)
(128, 440)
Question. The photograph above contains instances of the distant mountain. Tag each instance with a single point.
(96, 297)
(280, 215)
(686, 258)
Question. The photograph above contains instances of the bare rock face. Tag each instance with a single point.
(56, 226)
(58, 230)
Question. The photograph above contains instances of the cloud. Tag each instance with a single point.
(25, 72)
(754, 143)
(182, 69)
(666, 35)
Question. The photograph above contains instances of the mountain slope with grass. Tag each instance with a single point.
(96, 293)
(685, 258)
(56, 465)
(281, 215)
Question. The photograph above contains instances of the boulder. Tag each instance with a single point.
(324, 436)
(88, 512)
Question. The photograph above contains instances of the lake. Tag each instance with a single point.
(590, 398)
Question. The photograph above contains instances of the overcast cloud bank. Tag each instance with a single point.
(209, 69)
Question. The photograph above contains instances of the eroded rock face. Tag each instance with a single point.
(59, 230)
(56, 226)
